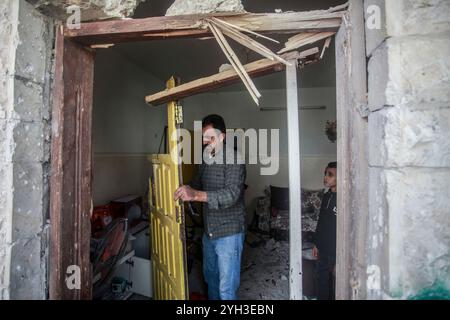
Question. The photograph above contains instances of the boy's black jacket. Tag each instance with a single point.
(325, 237)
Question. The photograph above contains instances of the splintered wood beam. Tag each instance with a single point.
(239, 68)
(116, 31)
(254, 69)
(325, 46)
(246, 41)
(304, 39)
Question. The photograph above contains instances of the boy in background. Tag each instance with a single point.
(325, 238)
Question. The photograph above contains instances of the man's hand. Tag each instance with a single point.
(185, 193)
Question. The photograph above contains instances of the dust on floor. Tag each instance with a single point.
(265, 270)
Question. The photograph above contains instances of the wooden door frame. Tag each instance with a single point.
(71, 154)
(352, 151)
(71, 166)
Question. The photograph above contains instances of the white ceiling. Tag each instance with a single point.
(190, 59)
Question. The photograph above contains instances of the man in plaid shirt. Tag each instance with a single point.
(219, 185)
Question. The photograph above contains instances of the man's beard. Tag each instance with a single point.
(209, 150)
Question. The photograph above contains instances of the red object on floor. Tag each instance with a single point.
(101, 217)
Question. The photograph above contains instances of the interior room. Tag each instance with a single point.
(127, 131)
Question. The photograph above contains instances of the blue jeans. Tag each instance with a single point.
(222, 265)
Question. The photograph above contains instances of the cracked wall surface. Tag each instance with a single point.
(180, 7)
(26, 51)
(90, 10)
(408, 243)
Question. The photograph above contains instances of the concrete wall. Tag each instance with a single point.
(409, 150)
(25, 52)
(125, 129)
(89, 10)
(239, 111)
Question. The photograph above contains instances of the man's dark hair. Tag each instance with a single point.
(332, 165)
(215, 121)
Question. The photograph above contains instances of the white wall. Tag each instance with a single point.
(239, 111)
(125, 128)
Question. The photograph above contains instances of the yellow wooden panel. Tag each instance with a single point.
(167, 225)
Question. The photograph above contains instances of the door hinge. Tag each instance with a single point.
(178, 114)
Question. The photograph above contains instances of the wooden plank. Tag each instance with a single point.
(325, 46)
(301, 40)
(71, 166)
(338, 8)
(243, 29)
(116, 31)
(247, 41)
(233, 59)
(254, 69)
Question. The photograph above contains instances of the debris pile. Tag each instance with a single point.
(316, 28)
(265, 271)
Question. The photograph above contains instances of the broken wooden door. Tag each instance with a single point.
(167, 216)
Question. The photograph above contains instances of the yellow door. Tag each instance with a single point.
(167, 218)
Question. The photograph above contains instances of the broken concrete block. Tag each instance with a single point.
(89, 10)
(414, 17)
(34, 46)
(28, 141)
(27, 199)
(26, 282)
(28, 101)
(418, 205)
(407, 231)
(180, 7)
(400, 137)
(411, 71)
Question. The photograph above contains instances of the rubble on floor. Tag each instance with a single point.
(265, 270)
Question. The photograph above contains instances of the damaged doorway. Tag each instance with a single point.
(120, 115)
(77, 95)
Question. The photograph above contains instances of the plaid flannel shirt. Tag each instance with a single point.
(224, 213)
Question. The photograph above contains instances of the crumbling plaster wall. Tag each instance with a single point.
(90, 10)
(25, 50)
(180, 7)
(408, 245)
